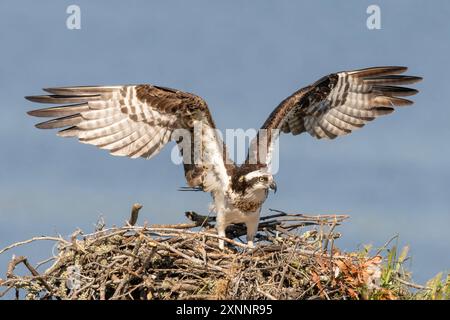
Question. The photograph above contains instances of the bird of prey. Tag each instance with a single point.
(139, 120)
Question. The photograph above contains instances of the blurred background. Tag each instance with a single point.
(243, 58)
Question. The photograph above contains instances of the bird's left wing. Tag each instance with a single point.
(334, 106)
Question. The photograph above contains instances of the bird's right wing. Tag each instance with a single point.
(138, 121)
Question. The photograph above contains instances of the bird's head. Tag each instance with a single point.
(254, 180)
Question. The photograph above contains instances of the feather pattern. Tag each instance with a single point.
(136, 121)
(340, 103)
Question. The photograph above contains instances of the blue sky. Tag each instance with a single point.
(243, 58)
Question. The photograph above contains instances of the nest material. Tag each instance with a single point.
(294, 258)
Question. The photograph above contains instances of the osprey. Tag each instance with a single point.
(139, 120)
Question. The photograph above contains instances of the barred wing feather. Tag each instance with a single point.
(135, 121)
(338, 104)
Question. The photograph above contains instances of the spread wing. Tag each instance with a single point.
(336, 105)
(138, 121)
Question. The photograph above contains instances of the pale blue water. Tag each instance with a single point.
(243, 57)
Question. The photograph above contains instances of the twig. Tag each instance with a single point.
(21, 243)
(17, 260)
(412, 285)
(265, 294)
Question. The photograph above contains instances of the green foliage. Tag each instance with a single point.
(437, 288)
(395, 280)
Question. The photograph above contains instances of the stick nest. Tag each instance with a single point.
(294, 258)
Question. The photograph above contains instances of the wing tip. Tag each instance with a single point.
(394, 69)
(49, 90)
(33, 113)
(378, 71)
(33, 98)
(416, 78)
(402, 102)
(43, 125)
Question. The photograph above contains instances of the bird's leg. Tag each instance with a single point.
(221, 226)
(221, 241)
(251, 232)
(252, 228)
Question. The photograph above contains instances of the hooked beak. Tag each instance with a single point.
(273, 186)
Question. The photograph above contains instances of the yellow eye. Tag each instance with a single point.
(262, 179)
